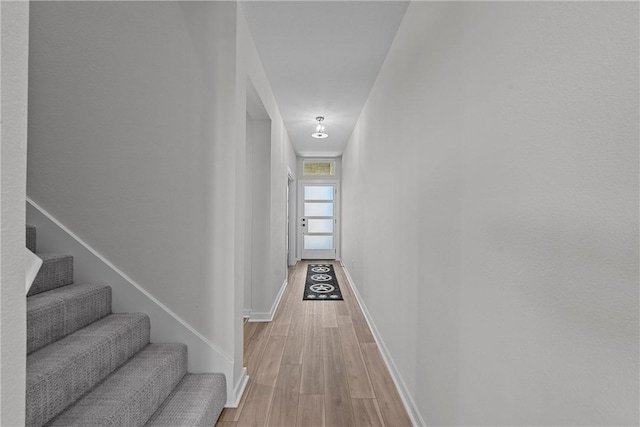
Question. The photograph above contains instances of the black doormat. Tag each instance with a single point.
(321, 283)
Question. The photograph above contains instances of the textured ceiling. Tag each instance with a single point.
(322, 58)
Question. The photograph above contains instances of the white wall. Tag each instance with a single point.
(490, 220)
(260, 212)
(14, 27)
(280, 156)
(248, 217)
(132, 147)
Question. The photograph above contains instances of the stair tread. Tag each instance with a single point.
(54, 314)
(63, 371)
(131, 394)
(52, 255)
(196, 401)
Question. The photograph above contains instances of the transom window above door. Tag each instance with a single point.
(318, 168)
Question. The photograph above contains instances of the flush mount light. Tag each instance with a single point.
(320, 133)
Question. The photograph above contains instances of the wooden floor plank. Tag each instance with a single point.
(311, 411)
(366, 413)
(328, 314)
(312, 364)
(282, 318)
(255, 347)
(256, 408)
(342, 280)
(337, 400)
(295, 338)
(389, 401)
(312, 308)
(230, 414)
(359, 323)
(249, 331)
(357, 376)
(226, 424)
(284, 408)
(341, 308)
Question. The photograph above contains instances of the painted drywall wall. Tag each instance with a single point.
(14, 30)
(132, 147)
(490, 220)
(248, 217)
(264, 298)
(260, 210)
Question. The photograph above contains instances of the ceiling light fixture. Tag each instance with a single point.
(320, 133)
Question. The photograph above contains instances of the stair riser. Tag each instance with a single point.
(31, 238)
(54, 273)
(55, 384)
(58, 313)
(144, 404)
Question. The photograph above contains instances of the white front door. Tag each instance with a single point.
(318, 221)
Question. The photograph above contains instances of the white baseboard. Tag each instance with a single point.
(246, 313)
(129, 296)
(268, 317)
(241, 386)
(407, 399)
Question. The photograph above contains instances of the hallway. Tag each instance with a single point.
(315, 364)
(486, 161)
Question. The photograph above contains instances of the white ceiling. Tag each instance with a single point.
(322, 58)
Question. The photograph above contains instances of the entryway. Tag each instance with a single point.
(318, 213)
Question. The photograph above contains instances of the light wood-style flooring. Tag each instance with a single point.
(315, 364)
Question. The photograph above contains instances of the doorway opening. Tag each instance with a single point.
(257, 196)
(318, 214)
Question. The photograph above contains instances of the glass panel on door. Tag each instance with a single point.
(316, 225)
(318, 209)
(318, 192)
(318, 242)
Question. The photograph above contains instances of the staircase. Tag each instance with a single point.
(87, 366)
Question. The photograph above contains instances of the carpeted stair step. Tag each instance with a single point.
(56, 271)
(196, 401)
(61, 372)
(57, 313)
(133, 393)
(31, 238)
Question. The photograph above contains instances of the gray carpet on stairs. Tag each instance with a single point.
(133, 393)
(61, 372)
(88, 367)
(56, 271)
(197, 401)
(55, 314)
(31, 238)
